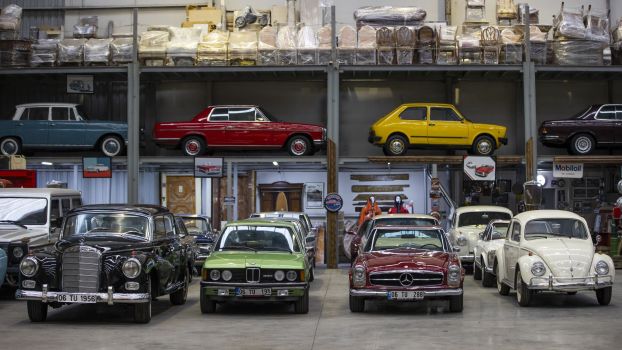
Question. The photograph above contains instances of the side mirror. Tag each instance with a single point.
(481, 236)
(599, 238)
(457, 249)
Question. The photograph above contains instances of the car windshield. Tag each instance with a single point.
(102, 224)
(23, 211)
(585, 111)
(196, 226)
(481, 218)
(268, 115)
(257, 237)
(409, 238)
(499, 230)
(547, 228)
(400, 222)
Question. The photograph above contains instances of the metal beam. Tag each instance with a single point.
(332, 178)
(133, 123)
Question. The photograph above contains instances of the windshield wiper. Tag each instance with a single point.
(536, 235)
(239, 247)
(13, 222)
(278, 249)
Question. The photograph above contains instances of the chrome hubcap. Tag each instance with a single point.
(9, 147)
(112, 146)
(192, 147)
(484, 147)
(583, 144)
(299, 147)
(396, 146)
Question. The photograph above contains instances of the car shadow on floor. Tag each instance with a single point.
(547, 300)
(431, 307)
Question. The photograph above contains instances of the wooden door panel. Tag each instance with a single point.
(181, 194)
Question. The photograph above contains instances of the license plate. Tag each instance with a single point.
(76, 298)
(258, 292)
(408, 295)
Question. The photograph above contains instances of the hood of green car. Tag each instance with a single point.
(264, 260)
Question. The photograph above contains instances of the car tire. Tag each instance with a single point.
(10, 146)
(193, 146)
(301, 306)
(603, 296)
(502, 288)
(208, 306)
(357, 304)
(37, 311)
(488, 279)
(483, 146)
(179, 296)
(523, 293)
(111, 146)
(477, 272)
(582, 144)
(299, 145)
(396, 145)
(456, 303)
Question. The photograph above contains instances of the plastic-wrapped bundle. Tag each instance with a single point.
(44, 52)
(267, 52)
(15, 53)
(447, 48)
(469, 47)
(506, 9)
(426, 45)
(86, 28)
(475, 14)
(597, 24)
(152, 46)
(181, 50)
(121, 50)
(307, 46)
(406, 40)
(617, 33)
(476, 3)
(71, 51)
(325, 45)
(286, 43)
(616, 53)
(97, 51)
(569, 24)
(490, 45)
(534, 14)
(10, 18)
(578, 52)
(385, 42)
(212, 50)
(378, 16)
(243, 48)
(366, 46)
(346, 41)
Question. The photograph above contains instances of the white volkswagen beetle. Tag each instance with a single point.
(551, 250)
(466, 225)
(492, 238)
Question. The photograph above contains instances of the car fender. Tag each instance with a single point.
(500, 261)
(525, 262)
(606, 258)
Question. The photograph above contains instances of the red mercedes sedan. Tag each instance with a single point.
(241, 128)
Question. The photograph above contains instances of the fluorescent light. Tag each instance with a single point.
(275, 163)
(47, 163)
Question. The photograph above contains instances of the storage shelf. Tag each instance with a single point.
(433, 72)
(314, 73)
(578, 72)
(63, 70)
(451, 160)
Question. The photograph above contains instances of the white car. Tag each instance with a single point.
(551, 250)
(467, 223)
(492, 238)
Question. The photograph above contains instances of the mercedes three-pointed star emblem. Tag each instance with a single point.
(406, 279)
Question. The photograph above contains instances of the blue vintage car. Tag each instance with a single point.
(59, 126)
(3, 263)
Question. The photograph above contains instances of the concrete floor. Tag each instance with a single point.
(489, 321)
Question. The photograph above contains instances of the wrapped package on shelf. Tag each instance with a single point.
(405, 40)
(597, 26)
(469, 48)
(346, 42)
(511, 47)
(447, 46)
(181, 50)
(212, 50)
(97, 51)
(243, 48)
(616, 53)
(534, 14)
(378, 16)
(325, 45)
(286, 43)
(44, 52)
(10, 22)
(506, 9)
(86, 27)
(366, 46)
(121, 50)
(539, 45)
(426, 45)
(617, 34)
(71, 51)
(307, 46)
(569, 24)
(267, 52)
(578, 52)
(15, 53)
(475, 3)
(490, 43)
(152, 46)
(385, 43)
(475, 14)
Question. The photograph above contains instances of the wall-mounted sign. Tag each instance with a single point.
(207, 167)
(96, 167)
(314, 191)
(229, 200)
(333, 202)
(80, 84)
(570, 170)
(479, 168)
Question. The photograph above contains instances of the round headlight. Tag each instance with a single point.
(279, 275)
(226, 275)
(131, 268)
(538, 268)
(29, 266)
(291, 275)
(18, 252)
(214, 275)
(454, 272)
(462, 241)
(602, 268)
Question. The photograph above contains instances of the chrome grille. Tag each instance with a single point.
(81, 267)
(253, 274)
(406, 278)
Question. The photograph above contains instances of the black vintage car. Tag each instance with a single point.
(110, 254)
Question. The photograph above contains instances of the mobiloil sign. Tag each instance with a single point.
(569, 170)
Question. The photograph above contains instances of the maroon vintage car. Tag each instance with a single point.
(598, 126)
(239, 127)
(406, 263)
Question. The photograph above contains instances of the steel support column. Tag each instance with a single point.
(529, 97)
(228, 206)
(133, 122)
(332, 150)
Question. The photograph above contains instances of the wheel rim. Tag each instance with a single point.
(299, 147)
(583, 144)
(484, 146)
(9, 147)
(192, 147)
(396, 146)
(111, 146)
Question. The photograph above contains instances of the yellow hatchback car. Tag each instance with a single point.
(434, 125)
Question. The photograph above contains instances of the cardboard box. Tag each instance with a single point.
(203, 14)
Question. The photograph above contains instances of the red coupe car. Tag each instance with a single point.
(406, 264)
(239, 127)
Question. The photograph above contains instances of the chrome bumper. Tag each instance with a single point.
(110, 297)
(427, 293)
(467, 258)
(319, 143)
(233, 285)
(570, 284)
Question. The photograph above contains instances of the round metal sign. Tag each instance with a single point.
(333, 202)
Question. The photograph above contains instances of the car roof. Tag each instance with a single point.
(30, 192)
(280, 213)
(411, 216)
(232, 106)
(193, 216)
(409, 227)
(547, 214)
(145, 209)
(262, 221)
(479, 208)
(47, 104)
(434, 104)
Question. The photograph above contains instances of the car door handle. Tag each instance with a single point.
(432, 124)
(52, 124)
(20, 124)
